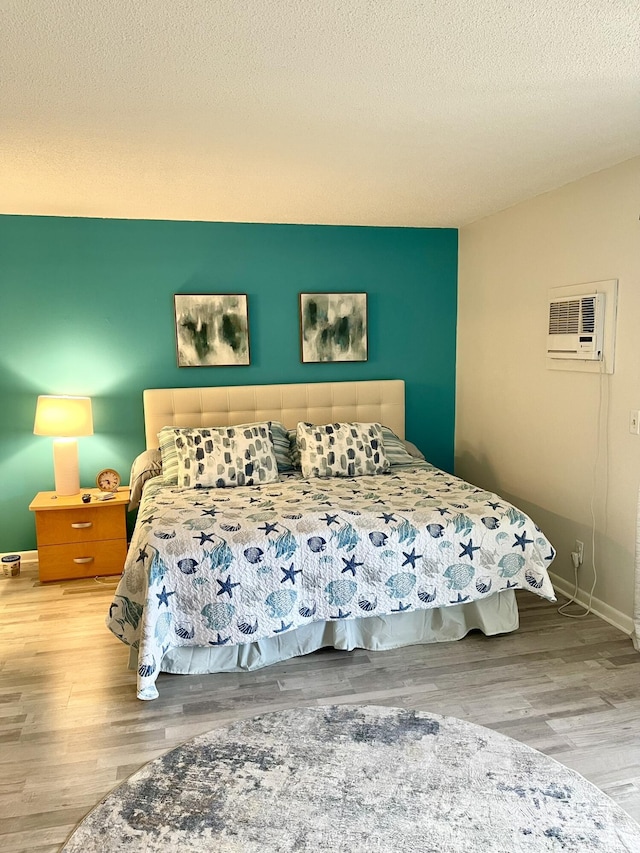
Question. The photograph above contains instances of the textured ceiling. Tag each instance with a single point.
(373, 112)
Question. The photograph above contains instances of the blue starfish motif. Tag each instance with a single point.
(269, 528)
(340, 615)
(142, 555)
(163, 597)
(254, 500)
(468, 549)
(350, 565)
(290, 574)
(198, 503)
(226, 586)
(522, 541)
(443, 511)
(387, 517)
(400, 608)
(282, 627)
(460, 599)
(511, 585)
(494, 505)
(552, 554)
(411, 558)
(204, 537)
(220, 641)
(148, 520)
(211, 512)
(330, 519)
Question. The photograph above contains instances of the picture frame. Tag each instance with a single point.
(212, 329)
(333, 327)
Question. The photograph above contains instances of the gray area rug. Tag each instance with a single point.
(345, 778)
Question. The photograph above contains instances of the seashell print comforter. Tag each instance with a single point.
(231, 566)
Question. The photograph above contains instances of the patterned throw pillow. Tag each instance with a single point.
(169, 456)
(341, 450)
(225, 456)
(280, 436)
(396, 450)
(170, 460)
(294, 450)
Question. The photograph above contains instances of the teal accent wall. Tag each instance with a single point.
(86, 307)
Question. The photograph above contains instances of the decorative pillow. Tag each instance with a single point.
(166, 439)
(341, 450)
(397, 450)
(145, 466)
(225, 456)
(281, 445)
(294, 450)
(412, 450)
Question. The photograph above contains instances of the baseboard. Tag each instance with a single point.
(26, 557)
(614, 617)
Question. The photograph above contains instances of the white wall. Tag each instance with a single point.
(529, 432)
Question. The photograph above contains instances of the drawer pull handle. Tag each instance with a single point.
(83, 560)
(80, 525)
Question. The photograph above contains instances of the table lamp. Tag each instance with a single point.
(65, 418)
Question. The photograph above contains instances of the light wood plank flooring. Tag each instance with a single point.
(71, 727)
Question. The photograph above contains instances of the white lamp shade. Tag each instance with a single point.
(63, 417)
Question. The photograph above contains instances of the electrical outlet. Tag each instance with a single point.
(580, 551)
(634, 422)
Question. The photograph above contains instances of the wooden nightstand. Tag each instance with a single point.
(78, 540)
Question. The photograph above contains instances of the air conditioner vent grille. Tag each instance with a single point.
(588, 314)
(564, 317)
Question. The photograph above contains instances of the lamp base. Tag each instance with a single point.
(65, 464)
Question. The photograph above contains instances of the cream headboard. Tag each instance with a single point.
(380, 401)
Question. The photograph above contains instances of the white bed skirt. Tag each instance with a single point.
(495, 615)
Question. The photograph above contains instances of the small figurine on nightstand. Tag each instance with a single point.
(86, 498)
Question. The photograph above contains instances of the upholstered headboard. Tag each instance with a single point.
(380, 401)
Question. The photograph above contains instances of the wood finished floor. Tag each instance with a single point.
(71, 727)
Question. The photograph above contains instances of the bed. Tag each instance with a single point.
(227, 579)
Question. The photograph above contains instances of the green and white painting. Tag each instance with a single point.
(212, 329)
(333, 327)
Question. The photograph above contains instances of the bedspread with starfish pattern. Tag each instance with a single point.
(231, 566)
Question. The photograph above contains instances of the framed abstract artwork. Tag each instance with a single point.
(333, 327)
(212, 330)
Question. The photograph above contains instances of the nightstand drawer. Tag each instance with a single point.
(62, 526)
(81, 560)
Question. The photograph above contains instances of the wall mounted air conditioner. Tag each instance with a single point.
(576, 327)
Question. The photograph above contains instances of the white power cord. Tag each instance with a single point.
(575, 558)
(110, 583)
